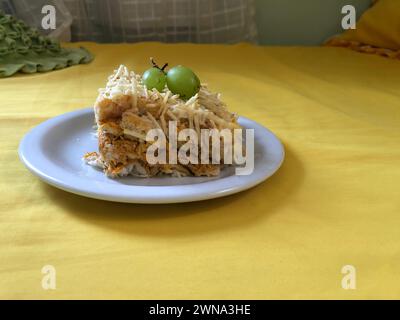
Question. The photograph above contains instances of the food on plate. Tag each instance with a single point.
(127, 109)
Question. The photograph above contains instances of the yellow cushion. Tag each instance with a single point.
(378, 31)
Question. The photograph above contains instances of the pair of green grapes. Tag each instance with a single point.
(180, 80)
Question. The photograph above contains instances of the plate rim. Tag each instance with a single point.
(189, 196)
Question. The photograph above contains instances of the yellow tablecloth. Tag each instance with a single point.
(335, 201)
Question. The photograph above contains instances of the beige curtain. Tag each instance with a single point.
(201, 21)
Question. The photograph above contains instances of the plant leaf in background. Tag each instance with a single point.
(24, 49)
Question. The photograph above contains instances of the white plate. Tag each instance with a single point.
(53, 151)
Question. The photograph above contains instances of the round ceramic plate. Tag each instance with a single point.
(53, 151)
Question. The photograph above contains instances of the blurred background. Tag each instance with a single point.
(266, 22)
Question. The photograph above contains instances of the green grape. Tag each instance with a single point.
(183, 81)
(154, 78)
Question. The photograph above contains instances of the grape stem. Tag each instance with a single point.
(155, 65)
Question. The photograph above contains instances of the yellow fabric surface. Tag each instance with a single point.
(334, 202)
(377, 31)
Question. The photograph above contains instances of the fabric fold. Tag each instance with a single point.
(23, 49)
